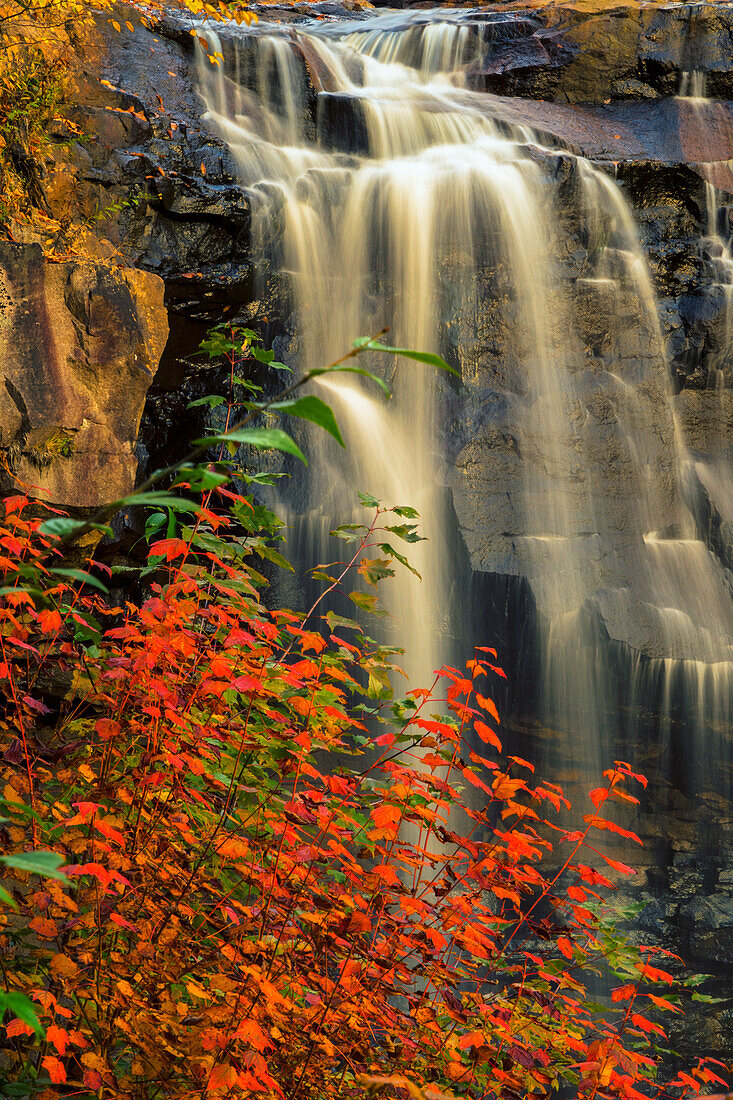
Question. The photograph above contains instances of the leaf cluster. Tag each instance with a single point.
(263, 893)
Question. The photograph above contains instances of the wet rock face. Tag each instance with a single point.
(568, 54)
(79, 345)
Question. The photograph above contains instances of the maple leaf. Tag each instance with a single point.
(487, 734)
(661, 1002)
(386, 815)
(107, 728)
(58, 1037)
(221, 1077)
(387, 873)
(566, 947)
(169, 548)
(61, 966)
(250, 1032)
(646, 1025)
(488, 705)
(44, 927)
(18, 1027)
(55, 1069)
(107, 829)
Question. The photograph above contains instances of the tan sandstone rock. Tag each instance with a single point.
(79, 345)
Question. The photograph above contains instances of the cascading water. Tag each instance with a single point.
(714, 468)
(389, 194)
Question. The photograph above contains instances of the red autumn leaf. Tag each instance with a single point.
(386, 816)
(44, 927)
(250, 1032)
(622, 868)
(624, 992)
(653, 974)
(488, 705)
(591, 876)
(169, 549)
(646, 1025)
(86, 810)
(661, 1002)
(487, 735)
(576, 893)
(55, 1069)
(387, 874)
(92, 1079)
(18, 1027)
(109, 831)
(565, 946)
(522, 762)
(58, 1037)
(601, 823)
(222, 1077)
(107, 728)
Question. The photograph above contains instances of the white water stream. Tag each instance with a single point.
(388, 195)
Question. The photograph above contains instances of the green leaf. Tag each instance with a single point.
(319, 575)
(316, 411)
(200, 479)
(406, 512)
(45, 864)
(696, 979)
(159, 499)
(6, 898)
(80, 575)
(269, 554)
(362, 600)
(379, 686)
(335, 620)
(264, 439)
(213, 400)
(366, 343)
(258, 479)
(22, 1008)
(263, 355)
(153, 524)
(349, 532)
(406, 531)
(64, 527)
(390, 550)
(375, 569)
(344, 368)
(368, 500)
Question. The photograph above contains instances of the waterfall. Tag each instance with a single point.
(387, 193)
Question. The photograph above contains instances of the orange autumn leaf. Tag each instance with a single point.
(44, 927)
(565, 946)
(18, 1027)
(58, 1037)
(488, 705)
(55, 1069)
(386, 815)
(222, 1077)
(487, 734)
(62, 966)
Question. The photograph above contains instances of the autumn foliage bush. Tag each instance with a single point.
(231, 863)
